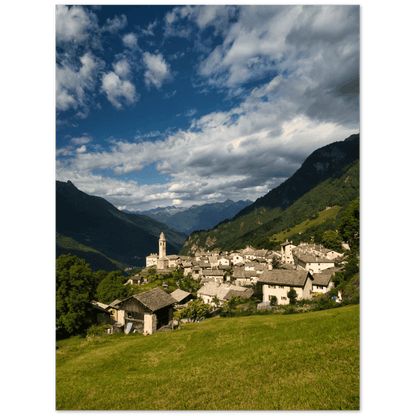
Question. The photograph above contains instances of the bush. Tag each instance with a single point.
(290, 310)
(96, 330)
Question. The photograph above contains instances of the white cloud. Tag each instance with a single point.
(82, 149)
(117, 88)
(116, 24)
(150, 28)
(81, 140)
(158, 71)
(72, 83)
(130, 40)
(122, 68)
(70, 23)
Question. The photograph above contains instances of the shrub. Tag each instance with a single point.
(96, 330)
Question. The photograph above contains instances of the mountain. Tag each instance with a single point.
(198, 217)
(317, 211)
(326, 162)
(94, 222)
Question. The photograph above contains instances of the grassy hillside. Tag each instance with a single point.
(264, 228)
(289, 362)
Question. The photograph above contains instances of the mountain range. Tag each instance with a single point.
(197, 217)
(93, 222)
(329, 177)
(95, 230)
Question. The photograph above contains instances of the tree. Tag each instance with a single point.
(112, 288)
(349, 226)
(332, 240)
(196, 309)
(275, 262)
(74, 293)
(292, 295)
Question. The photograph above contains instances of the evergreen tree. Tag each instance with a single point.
(292, 295)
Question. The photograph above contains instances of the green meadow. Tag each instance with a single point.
(306, 361)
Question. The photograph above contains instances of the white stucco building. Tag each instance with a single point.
(278, 282)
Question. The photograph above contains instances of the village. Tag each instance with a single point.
(307, 269)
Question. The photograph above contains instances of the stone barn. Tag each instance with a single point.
(150, 311)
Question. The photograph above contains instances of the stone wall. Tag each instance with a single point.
(150, 323)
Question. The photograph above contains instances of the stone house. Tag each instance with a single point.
(286, 252)
(214, 275)
(237, 258)
(150, 311)
(278, 282)
(208, 292)
(311, 263)
(100, 313)
(151, 260)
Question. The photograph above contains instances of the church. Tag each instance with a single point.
(161, 261)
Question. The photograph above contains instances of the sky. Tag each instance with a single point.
(182, 105)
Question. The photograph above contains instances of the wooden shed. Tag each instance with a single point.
(149, 311)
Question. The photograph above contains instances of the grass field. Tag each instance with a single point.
(290, 362)
(303, 226)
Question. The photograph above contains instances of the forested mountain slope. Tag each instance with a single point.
(94, 222)
(260, 227)
(323, 163)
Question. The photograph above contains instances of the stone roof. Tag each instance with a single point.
(321, 279)
(247, 293)
(179, 294)
(286, 244)
(214, 289)
(114, 304)
(285, 277)
(238, 272)
(154, 299)
(214, 273)
(310, 258)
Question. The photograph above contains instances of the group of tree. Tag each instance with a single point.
(195, 310)
(77, 285)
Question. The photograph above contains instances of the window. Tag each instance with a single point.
(281, 287)
(283, 297)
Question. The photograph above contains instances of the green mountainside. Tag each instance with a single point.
(266, 228)
(94, 222)
(96, 260)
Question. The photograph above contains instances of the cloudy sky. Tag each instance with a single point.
(163, 105)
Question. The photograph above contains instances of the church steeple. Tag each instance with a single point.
(162, 246)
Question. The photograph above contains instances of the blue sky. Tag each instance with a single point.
(164, 105)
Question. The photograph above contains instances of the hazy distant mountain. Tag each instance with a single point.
(94, 222)
(197, 217)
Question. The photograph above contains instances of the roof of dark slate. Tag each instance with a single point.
(285, 277)
(214, 273)
(155, 299)
(321, 278)
(244, 294)
(310, 258)
(179, 294)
